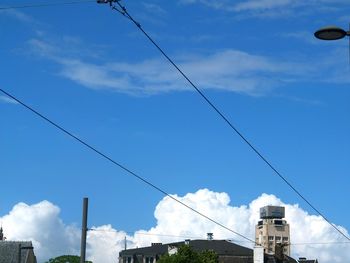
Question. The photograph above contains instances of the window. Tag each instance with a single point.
(278, 238)
(285, 239)
(278, 222)
(270, 238)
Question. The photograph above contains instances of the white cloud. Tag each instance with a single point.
(262, 4)
(227, 70)
(51, 237)
(104, 244)
(217, 4)
(272, 8)
(174, 219)
(5, 99)
(40, 223)
(154, 9)
(18, 15)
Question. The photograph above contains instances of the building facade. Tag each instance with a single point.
(227, 252)
(272, 231)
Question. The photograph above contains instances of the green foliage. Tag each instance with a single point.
(208, 256)
(66, 259)
(186, 254)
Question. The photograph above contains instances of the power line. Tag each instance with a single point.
(45, 4)
(126, 14)
(193, 237)
(129, 171)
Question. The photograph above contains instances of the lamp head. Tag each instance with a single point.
(331, 33)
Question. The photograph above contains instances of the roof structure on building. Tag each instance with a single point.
(221, 247)
(308, 261)
(224, 249)
(9, 251)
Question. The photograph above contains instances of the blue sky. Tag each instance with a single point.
(90, 70)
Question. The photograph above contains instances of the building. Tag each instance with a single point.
(228, 252)
(16, 251)
(272, 231)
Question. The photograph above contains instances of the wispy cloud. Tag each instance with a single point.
(271, 8)
(227, 70)
(304, 36)
(18, 15)
(154, 9)
(262, 4)
(5, 99)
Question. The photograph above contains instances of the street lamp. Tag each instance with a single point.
(331, 33)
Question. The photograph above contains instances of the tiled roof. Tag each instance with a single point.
(9, 251)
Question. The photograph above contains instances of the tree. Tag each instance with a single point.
(186, 254)
(208, 256)
(66, 259)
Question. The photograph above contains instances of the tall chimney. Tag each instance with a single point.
(210, 236)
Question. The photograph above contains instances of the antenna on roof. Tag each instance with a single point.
(210, 236)
(2, 238)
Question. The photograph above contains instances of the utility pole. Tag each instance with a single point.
(84, 230)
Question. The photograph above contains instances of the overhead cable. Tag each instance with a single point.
(122, 10)
(121, 166)
(136, 233)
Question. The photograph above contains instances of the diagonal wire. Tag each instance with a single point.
(44, 4)
(126, 14)
(121, 166)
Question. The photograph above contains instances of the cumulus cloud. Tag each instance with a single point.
(41, 224)
(104, 244)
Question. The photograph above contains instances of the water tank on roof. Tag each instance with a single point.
(272, 212)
